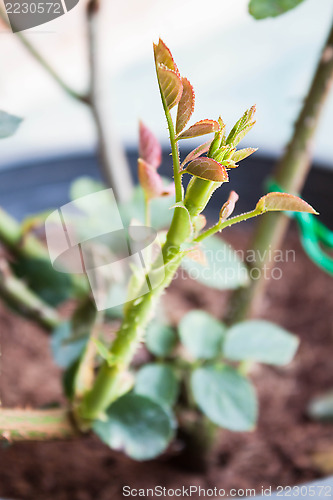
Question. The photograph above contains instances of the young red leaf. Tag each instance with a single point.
(163, 56)
(200, 150)
(208, 169)
(283, 201)
(171, 85)
(151, 182)
(243, 153)
(185, 106)
(200, 128)
(149, 148)
(229, 206)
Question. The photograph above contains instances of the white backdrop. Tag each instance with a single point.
(232, 60)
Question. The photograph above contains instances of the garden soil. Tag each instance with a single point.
(279, 452)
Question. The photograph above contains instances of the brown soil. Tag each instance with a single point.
(277, 453)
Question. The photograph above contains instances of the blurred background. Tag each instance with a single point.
(232, 60)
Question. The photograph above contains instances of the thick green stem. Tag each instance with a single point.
(290, 174)
(108, 382)
(107, 386)
(198, 194)
(14, 291)
(21, 246)
(18, 296)
(35, 425)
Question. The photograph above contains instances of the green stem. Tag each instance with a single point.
(229, 222)
(84, 378)
(18, 296)
(174, 150)
(13, 290)
(21, 246)
(290, 174)
(107, 384)
(32, 425)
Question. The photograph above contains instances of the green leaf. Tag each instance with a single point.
(241, 127)
(49, 284)
(161, 339)
(8, 124)
(208, 169)
(259, 340)
(202, 127)
(136, 425)
(66, 347)
(273, 202)
(185, 106)
(260, 9)
(241, 154)
(158, 382)
(201, 334)
(223, 270)
(226, 397)
(83, 186)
